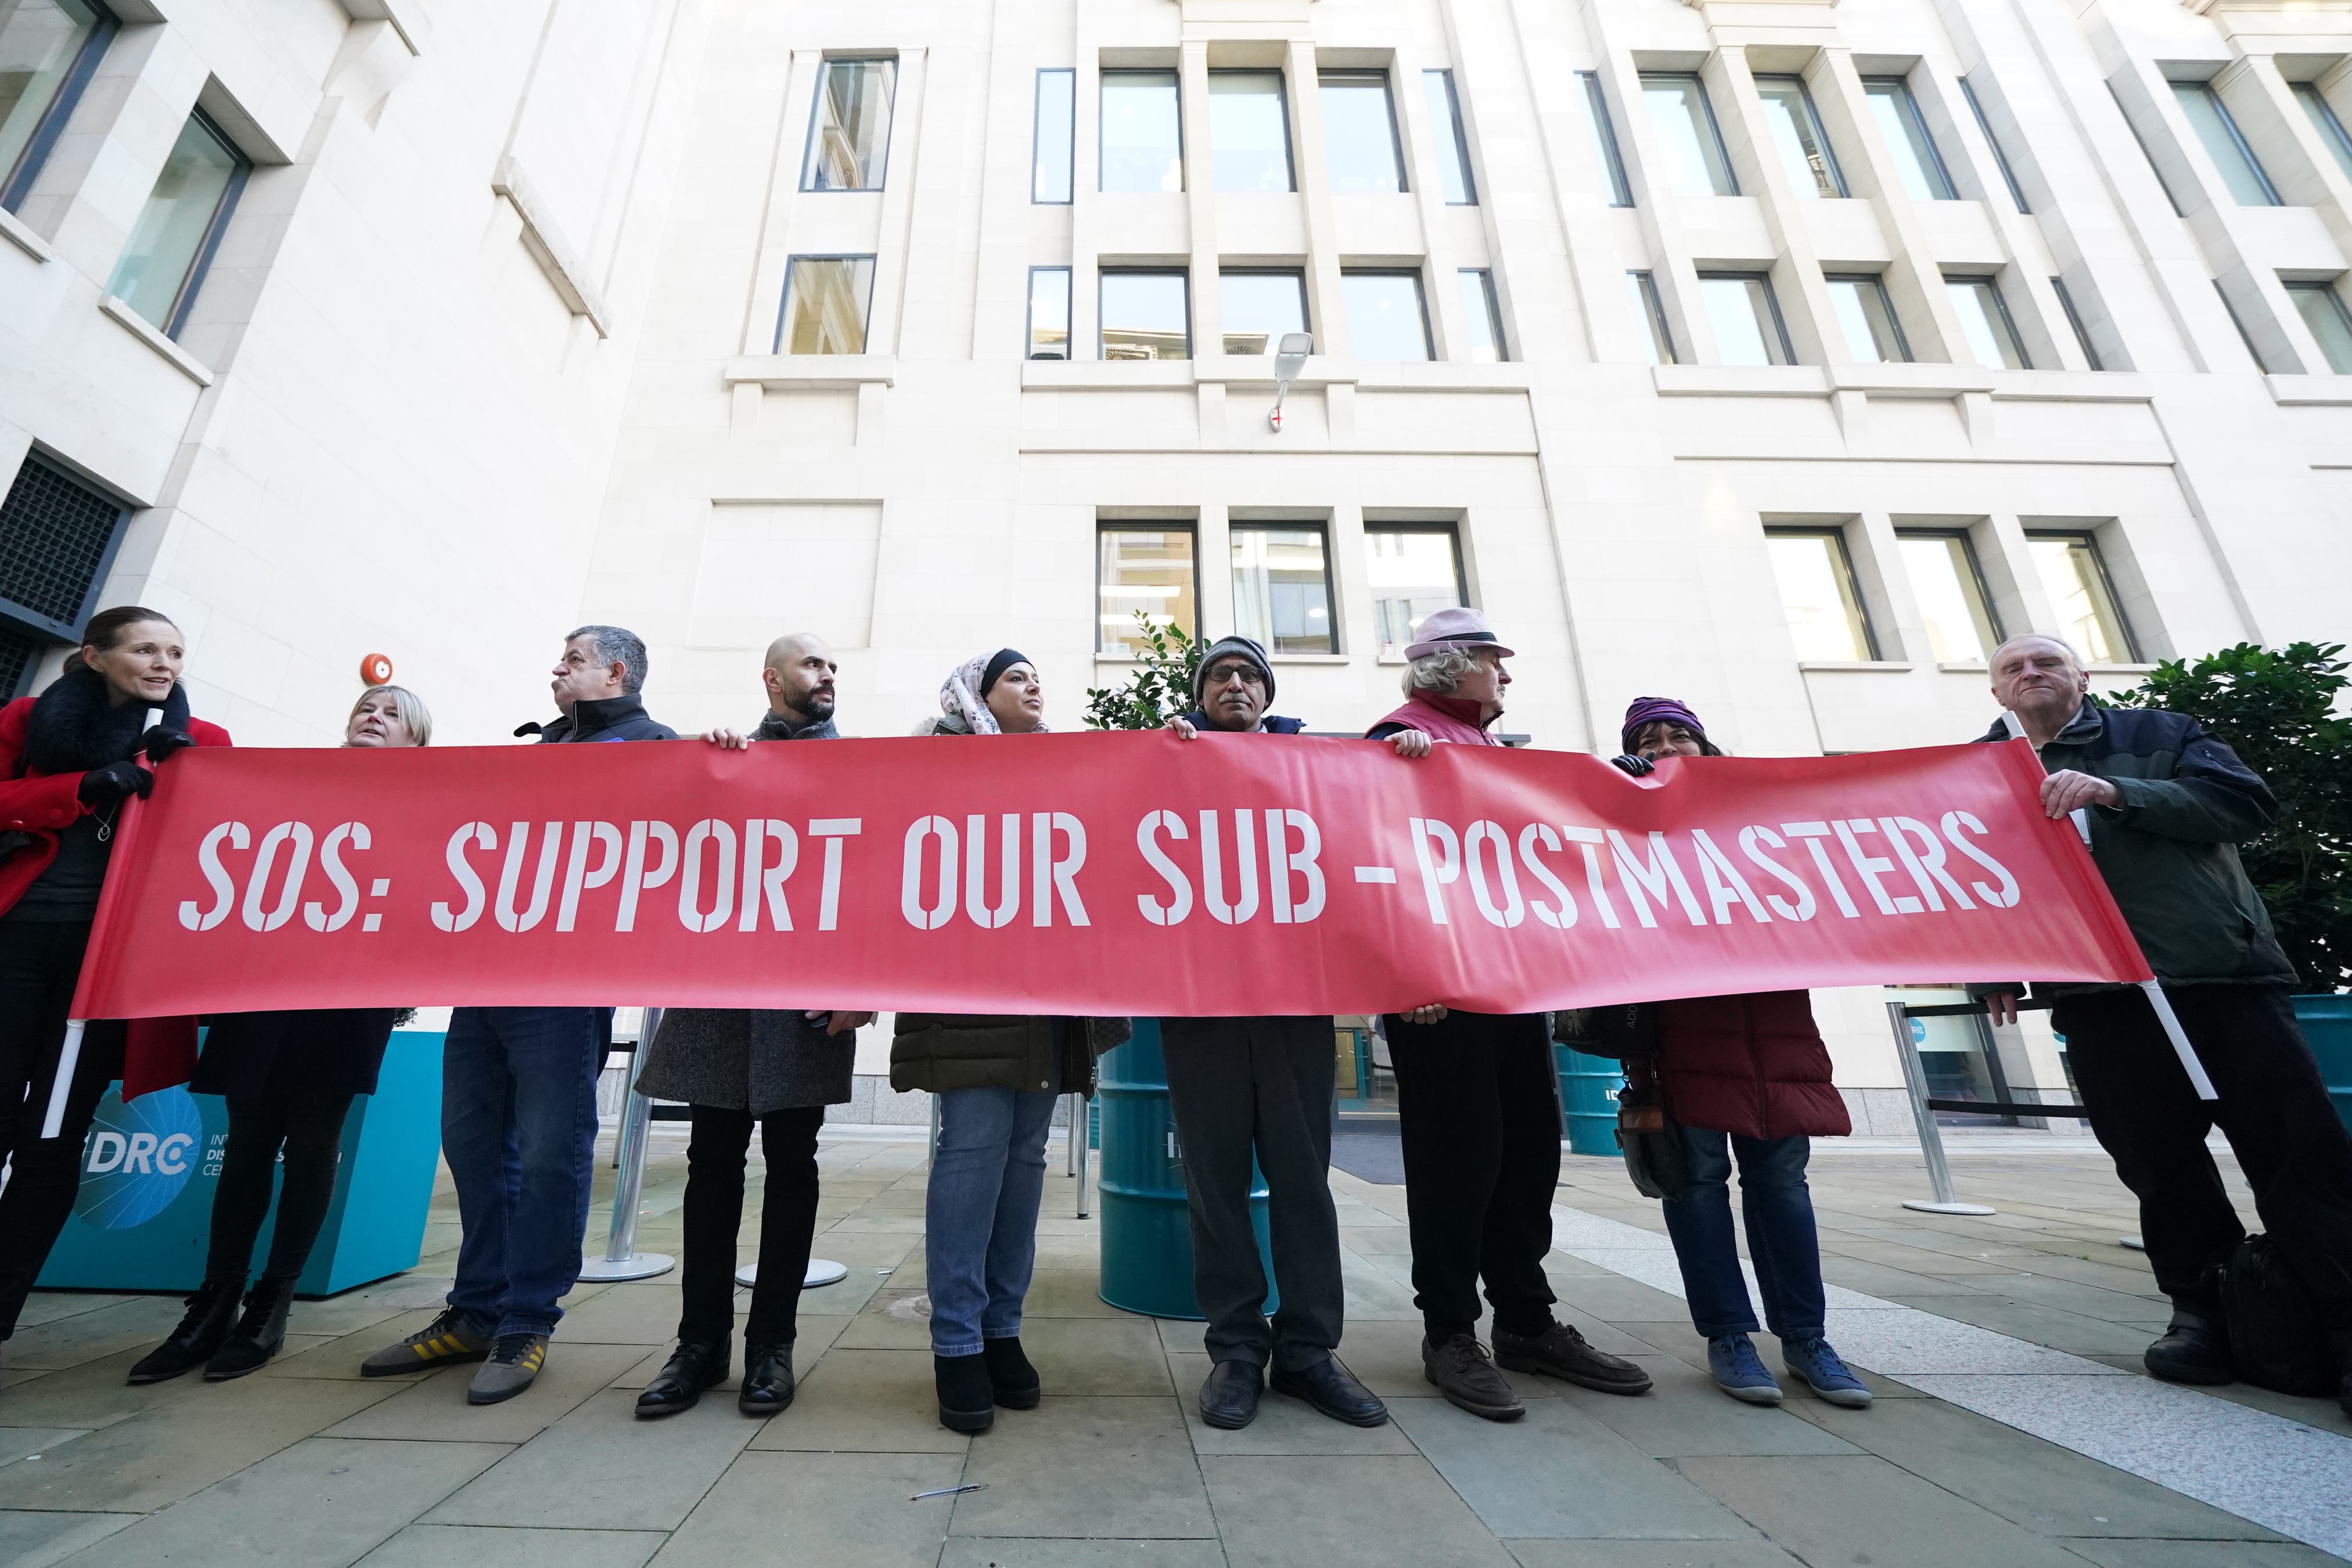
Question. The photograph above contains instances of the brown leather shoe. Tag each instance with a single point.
(1560, 1351)
(1462, 1371)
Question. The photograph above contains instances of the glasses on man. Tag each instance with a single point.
(1248, 674)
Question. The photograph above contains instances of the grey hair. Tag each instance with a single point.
(618, 645)
(2073, 653)
(414, 715)
(1441, 671)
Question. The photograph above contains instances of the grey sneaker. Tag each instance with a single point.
(444, 1342)
(1461, 1370)
(512, 1367)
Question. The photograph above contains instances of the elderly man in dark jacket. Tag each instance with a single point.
(2166, 805)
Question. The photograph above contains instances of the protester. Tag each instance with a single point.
(290, 1079)
(2166, 805)
(735, 1068)
(1750, 1071)
(518, 1105)
(1478, 1112)
(996, 1079)
(1259, 1089)
(68, 760)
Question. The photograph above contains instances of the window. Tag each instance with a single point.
(1605, 140)
(1385, 318)
(850, 140)
(1872, 335)
(1984, 322)
(179, 227)
(2074, 320)
(1453, 146)
(1049, 312)
(48, 51)
(1056, 137)
(1259, 306)
(2314, 104)
(1653, 311)
(1951, 598)
(826, 302)
(1146, 567)
(2323, 313)
(1745, 317)
(1359, 132)
(1482, 316)
(1413, 569)
(1282, 588)
(2007, 177)
(1798, 137)
(1816, 581)
(1907, 141)
(57, 540)
(1142, 135)
(1695, 163)
(1249, 131)
(2076, 581)
(2232, 159)
(1146, 315)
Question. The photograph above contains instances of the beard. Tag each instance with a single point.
(817, 705)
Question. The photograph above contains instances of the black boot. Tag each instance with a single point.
(2194, 1349)
(211, 1312)
(767, 1379)
(1011, 1377)
(967, 1400)
(680, 1384)
(259, 1334)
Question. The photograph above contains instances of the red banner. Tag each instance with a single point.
(1110, 875)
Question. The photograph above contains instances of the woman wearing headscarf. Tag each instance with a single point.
(68, 760)
(1742, 1079)
(996, 1079)
(289, 1079)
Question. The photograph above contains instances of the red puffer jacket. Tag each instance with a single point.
(1753, 1064)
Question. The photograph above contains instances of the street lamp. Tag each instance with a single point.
(1289, 359)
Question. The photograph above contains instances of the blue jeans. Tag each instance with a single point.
(519, 1129)
(980, 1240)
(1781, 1239)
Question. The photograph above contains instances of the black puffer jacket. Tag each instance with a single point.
(603, 718)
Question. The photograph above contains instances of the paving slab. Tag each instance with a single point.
(845, 1511)
(632, 1314)
(1751, 1553)
(340, 1357)
(1101, 1466)
(2203, 1554)
(1373, 1512)
(599, 1467)
(47, 1306)
(433, 1407)
(874, 1402)
(135, 1322)
(1284, 1425)
(33, 1540)
(485, 1546)
(815, 1336)
(19, 1443)
(2037, 1322)
(1096, 1355)
(1004, 1552)
(1062, 1293)
(890, 1322)
(1685, 1414)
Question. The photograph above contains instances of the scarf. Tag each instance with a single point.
(960, 698)
(774, 726)
(74, 729)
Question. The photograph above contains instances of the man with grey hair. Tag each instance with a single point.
(2165, 805)
(519, 1104)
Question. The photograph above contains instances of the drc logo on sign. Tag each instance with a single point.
(138, 1157)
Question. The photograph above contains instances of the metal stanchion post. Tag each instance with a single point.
(1077, 1109)
(1931, 1141)
(621, 1259)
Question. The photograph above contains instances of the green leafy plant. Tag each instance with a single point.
(2277, 709)
(1160, 688)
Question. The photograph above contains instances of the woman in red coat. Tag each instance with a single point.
(68, 760)
(1744, 1078)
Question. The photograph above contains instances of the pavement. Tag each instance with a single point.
(2014, 1426)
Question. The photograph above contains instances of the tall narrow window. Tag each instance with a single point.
(2232, 159)
(1146, 315)
(2074, 320)
(1482, 314)
(1360, 131)
(826, 302)
(1872, 335)
(1605, 140)
(1747, 319)
(1453, 146)
(1985, 322)
(1653, 311)
(2323, 119)
(1057, 136)
(1259, 306)
(1049, 312)
(2008, 175)
(1798, 136)
(2322, 309)
(1412, 569)
(1146, 567)
(1386, 319)
(1697, 165)
(1817, 590)
(1249, 131)
(1949, 592)
(1907, 141)
(1282, 588)
(1142, 134)
(163, 264)
(849, 141)
(48, 51)
(2075, 578)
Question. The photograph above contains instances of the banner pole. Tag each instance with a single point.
(1078, 1147)
(2154, 991)
(1931, 1139)
(621, 1260)
(68, 1057)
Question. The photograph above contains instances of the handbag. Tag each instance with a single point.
(1622, 1030)
(1652, 1147)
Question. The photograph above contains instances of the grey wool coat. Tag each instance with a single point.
(752, 1059)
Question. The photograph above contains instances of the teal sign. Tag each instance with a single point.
(139, 1157)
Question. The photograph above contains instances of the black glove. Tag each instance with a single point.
(105, 786)
(162, 740)
(1639, 767)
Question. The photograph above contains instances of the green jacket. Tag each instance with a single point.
(940, 1051)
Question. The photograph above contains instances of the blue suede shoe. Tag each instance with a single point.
(1740, 1371)
(1816, 1366)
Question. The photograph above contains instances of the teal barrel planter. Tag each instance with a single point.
(1588, 1094)
(1147, 1229)
(2326, 1023)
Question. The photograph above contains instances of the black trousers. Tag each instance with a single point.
(714, 1213)
(2273, 1110)
(1245, 1089)
(1478, 1116)
(39, 961)
(308, 1126)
